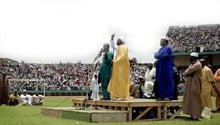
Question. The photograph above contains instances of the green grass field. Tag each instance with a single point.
(31, 115)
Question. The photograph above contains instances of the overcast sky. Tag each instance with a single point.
(50, 31)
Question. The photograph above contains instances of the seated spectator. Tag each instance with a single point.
(150, 76)
(26, 99)
(37, 99)
(133, 90)
(94, 87)
(14, 99)
(137, 89)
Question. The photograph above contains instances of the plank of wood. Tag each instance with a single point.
(143, 113)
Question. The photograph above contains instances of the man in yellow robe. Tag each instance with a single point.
(207, 81)
(120, 81)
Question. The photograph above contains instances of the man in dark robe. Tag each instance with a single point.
(4, 97)
(164, 71)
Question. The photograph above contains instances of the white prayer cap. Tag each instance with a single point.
(24, 90)
(194, 54)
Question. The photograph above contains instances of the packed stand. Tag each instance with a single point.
(201, 38)
(63, 76)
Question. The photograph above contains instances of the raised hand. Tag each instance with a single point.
(112, 36)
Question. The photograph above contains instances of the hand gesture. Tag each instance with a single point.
(112, 36)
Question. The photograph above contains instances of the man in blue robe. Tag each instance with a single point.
(164, 71)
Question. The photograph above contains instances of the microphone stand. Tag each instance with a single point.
(90, 69)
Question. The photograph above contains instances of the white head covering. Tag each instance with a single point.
(93, 77)
(194, 54)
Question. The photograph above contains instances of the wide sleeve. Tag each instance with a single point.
(110, 58)
(163, 52)
(121, 54)
(192, 68)
(210, 76)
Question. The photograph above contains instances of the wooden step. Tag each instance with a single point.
(89, 115)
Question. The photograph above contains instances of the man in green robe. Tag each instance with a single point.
(105, 71)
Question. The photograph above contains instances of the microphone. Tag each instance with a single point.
(112, 43)
(99, 54)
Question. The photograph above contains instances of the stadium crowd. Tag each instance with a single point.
(63, 76)
(202, 38)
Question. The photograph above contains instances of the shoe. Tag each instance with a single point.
(213, 111)
(118, 99)
(105, 99)
(194, 118)
(166, 99)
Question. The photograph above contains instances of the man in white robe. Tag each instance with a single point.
(26, 99)
(149, 81)
(94, 87)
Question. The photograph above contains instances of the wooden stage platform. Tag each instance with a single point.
(89, 115)
(137, 109)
